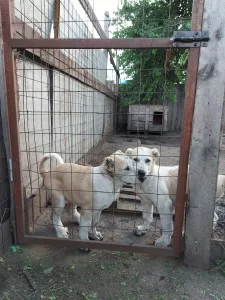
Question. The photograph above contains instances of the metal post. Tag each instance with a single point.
(9, 68)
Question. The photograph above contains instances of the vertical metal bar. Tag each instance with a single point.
(54, 11)
(10, 84)
(51, 102)
(192, 71)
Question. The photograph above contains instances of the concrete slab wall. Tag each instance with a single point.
(81, 116)
(58, 113)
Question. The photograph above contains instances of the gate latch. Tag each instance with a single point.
(190, 39)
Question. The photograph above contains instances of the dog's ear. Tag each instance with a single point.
(109, 164)
(128, 152)
(119, 152)
(155, 153)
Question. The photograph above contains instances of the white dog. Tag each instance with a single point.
(91, 188)
(158, 188)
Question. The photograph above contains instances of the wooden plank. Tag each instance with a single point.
(197, 14)
(127, 205)
(60, 61)
(138, 248)
(205, 144)
(129, 197)
(56, 18)
(91, 14)
(129, 191)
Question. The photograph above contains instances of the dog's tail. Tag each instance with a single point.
(42, 170)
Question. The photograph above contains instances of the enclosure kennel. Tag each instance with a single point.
(97, 117)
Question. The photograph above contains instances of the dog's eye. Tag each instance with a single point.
(147, 160)
(136, 159)
(127, 168)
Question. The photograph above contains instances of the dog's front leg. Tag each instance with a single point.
(165, 210)
(147, 216)
(85, 224)
(93, 233)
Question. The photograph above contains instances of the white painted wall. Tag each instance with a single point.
(34, 122)
(76, 24)
(81, 115)
(36, 14)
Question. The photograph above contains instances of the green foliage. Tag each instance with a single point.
(154, 73)
(221, 266)
(89, 296)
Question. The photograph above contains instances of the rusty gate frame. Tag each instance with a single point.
(10, 43)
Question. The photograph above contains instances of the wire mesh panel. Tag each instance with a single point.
(219, 217)
(111, 118)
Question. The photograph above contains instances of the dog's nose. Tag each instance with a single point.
(141, 173)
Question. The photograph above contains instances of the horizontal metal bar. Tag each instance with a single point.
(150, 250)
(135, 43)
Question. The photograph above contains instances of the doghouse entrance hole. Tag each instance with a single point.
(158, 118)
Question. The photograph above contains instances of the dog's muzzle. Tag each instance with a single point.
(142, 179)
(141, 176)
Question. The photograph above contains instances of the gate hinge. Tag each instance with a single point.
(10, 170)
(190, 39)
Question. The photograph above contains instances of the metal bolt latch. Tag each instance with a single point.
(188, 39)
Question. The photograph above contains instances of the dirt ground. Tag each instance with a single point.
(70, 274)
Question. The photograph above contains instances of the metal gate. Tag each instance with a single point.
(10, 43)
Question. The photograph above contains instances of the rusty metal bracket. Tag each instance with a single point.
(192, 39)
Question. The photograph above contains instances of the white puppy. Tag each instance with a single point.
(158, 188)
(91, 188)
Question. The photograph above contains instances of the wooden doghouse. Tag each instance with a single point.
(147, 118)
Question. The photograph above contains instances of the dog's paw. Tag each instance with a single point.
(162, 242)
(86, 250)
(63, 233)
(139, 231)
(98, 236)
